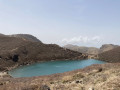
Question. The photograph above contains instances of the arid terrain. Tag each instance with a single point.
(59, 44)
(17, 50)
(107, 52)
(95, 77)
(91, 50)
(111, 55)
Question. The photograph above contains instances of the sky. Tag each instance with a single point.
(79, 22)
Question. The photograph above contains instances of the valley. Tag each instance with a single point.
(21, 50)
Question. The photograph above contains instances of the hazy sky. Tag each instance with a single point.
(80, 22)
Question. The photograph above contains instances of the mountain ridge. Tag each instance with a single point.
(28, 37)
(91, 50)
(17, 51)
(111, 55)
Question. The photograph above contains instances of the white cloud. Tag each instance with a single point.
(82, 40)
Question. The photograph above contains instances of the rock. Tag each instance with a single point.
(44, 87)
(91, 88)
(4, 75)
(100, 70)
(51, 82)
(1, 83)
(78, 81)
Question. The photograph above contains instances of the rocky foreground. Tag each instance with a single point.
(95, 77)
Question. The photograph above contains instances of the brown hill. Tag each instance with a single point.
(82, 49)
(18, 51)
(26, 37)
(91, 50)
(107, 47)
(111, 55)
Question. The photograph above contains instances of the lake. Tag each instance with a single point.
(52, 67)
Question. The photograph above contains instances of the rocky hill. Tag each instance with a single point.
(16, 51)
(87, 50)
(111, 55)
(107, 47)
(26, 37)
(91, 50)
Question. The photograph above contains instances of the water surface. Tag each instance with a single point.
(51, 67)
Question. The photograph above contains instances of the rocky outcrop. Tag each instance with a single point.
(4, 75)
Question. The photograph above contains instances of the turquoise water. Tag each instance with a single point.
(51, 67)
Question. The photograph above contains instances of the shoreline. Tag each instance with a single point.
(16, 66)
(27, 64)
(77, 78)
(53, 61)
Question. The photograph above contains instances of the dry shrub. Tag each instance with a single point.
(79, 75)
(66, 79)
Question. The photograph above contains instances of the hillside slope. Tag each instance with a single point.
(111, 55)
(91, 50)
(26, 37)
(17, 51)
(87, 50)
(107, 47)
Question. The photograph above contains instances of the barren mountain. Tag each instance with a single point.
(16, 51)
(107, 47)
(87, 50)
(91, 50)
(26, 37)
(111, 55)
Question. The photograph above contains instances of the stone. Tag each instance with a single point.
(44, 87)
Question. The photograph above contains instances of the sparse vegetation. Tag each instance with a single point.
(95, 77)
(16, 51)
(110, 56)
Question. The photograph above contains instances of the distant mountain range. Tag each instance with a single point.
(22, 49)
(107, 52)
(91, 50)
